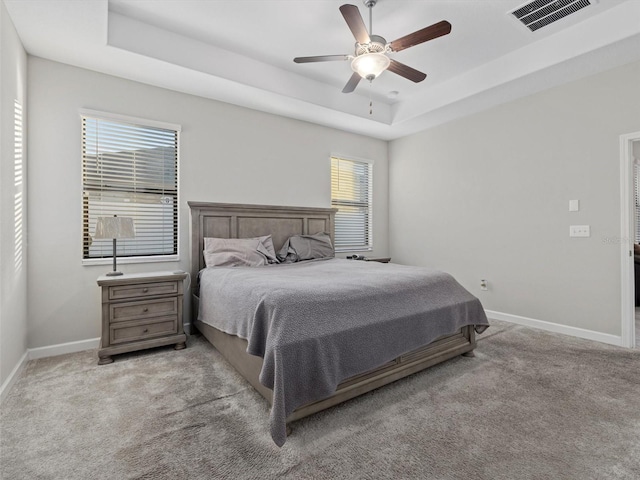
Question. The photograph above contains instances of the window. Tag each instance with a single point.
(352, 195)
(129, 169)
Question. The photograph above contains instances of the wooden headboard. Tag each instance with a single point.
(232, 220)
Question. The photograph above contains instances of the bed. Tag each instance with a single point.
(313, 334)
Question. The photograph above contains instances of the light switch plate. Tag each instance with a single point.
(574, 205)
(579, 230)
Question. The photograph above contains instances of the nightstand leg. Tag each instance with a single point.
(469, 354)
(104, 360)
(180, 346)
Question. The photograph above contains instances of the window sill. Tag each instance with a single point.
(130, 260)
(351, 250)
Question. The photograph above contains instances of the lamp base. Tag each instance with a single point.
(113, 274)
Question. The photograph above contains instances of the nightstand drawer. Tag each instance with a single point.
(142, 290)
(140, 331)
(121, 312)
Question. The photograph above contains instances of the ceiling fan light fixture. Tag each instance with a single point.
(370, 65)
(370, 58)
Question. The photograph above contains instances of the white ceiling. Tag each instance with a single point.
(241, 52)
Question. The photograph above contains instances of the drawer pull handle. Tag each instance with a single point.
(145, 290)
(146, 330)
(145, 310)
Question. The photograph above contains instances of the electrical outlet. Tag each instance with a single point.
(579, 231)
(483, 285)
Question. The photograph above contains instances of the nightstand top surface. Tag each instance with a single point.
(141, 277)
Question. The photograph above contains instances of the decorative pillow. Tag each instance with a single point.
(239, 252)
(306, 247)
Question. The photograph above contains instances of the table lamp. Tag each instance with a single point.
(114, 227)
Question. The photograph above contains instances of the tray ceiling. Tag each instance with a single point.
(242, 52)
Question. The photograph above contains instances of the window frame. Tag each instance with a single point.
(100, 115)
(370, 234)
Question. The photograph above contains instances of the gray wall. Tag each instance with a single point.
(487, 197)
(227, 154)
(13, 208)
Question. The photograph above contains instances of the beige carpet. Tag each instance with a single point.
(531, 405)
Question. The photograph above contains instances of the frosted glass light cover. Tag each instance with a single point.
(370, 64)
(114, 227)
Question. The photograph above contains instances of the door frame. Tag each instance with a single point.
(627, 234)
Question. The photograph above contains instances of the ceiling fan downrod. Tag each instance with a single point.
(370, 4)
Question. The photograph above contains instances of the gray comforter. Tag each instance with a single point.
(317, 323)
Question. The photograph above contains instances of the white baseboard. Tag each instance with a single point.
(62, 348)
(13, 376)
(73, 347)
(557, 328)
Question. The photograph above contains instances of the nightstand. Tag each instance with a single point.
(141, 311)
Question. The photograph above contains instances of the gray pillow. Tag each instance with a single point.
(239, 252)
(267, 242)
(306, 247)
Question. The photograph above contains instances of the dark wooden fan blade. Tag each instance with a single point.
(354, 20)
(352, 83)
(321, 58)
(406, 71)
(428, 33)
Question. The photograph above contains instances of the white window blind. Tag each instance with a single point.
(352, 195)
(130, 170)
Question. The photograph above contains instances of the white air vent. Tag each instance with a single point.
(540, 13)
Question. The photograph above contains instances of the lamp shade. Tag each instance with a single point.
(370, 65)
(114, 227)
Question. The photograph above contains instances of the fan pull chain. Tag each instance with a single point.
(370, 101)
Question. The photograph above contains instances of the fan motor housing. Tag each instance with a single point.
(377, 45)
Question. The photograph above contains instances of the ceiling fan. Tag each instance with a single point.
(371, 52)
